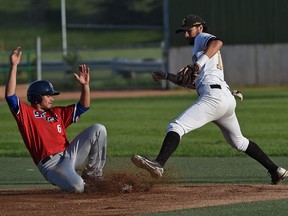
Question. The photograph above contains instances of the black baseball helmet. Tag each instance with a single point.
(39, 88)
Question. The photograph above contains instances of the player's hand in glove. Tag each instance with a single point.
(187, 76)
(195, 68)
(158, 75)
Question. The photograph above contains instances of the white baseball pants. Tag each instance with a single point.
(213, 105)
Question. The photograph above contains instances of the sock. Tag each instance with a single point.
(169, 145)
(256, 153)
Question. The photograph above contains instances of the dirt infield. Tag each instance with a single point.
(159, 198)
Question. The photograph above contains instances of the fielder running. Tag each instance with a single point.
(215, 102)
(43, 129)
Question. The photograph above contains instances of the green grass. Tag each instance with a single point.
(137, 125)
(76, 39)
(184, 170)
(92, 54)
(263, 208)
(23, 21)
(102, 78)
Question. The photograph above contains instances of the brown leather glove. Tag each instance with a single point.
(187, 76)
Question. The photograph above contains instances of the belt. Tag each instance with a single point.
(215, 86)
(46, 159)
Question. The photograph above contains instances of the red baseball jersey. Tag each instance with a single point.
(44, 133)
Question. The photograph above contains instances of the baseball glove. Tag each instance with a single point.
(187, 76)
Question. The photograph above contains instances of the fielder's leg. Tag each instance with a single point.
(230, 128)
(155, 167)
(277, 173)
(170, 144)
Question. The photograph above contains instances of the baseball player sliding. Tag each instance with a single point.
(215, 102)
(43, 129)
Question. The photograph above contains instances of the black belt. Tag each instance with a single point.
(215, 86)
(45, 160)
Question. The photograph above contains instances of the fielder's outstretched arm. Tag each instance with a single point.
(160, 75)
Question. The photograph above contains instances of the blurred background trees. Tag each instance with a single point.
(21, 21)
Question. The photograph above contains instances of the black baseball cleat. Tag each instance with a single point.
(278, 176)
(153, 167)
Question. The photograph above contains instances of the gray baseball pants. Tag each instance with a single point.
(90, 145)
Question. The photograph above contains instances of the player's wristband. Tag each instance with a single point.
(202, 60)
(167, 76)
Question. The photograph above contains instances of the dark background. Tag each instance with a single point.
(235, 21)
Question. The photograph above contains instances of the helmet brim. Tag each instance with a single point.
(56, 93)
(51, 93)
